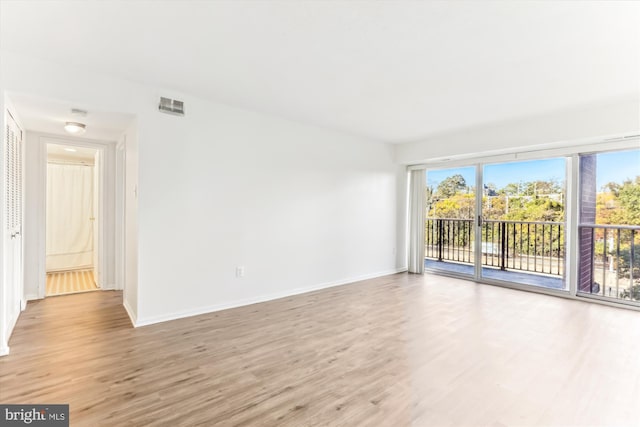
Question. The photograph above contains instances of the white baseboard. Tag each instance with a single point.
(4, 350)
(130, 312)
(31, 297)
(10, 326)
(109, 287)
(248, 301)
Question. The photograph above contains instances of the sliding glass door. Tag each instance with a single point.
(524, 222)
(509, 222)
(449, 228)
(498, 222)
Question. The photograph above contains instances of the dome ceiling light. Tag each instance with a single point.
(75, 128)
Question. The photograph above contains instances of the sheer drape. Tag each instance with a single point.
(69, 216)
(417, 185)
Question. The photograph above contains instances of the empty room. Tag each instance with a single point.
(320, 213)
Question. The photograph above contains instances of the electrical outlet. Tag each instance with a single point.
(239, 271)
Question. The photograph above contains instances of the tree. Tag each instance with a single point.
(619, 203)
(629, 197)
(450, 186)
(542, 209)
(459, 206)
(511, 189)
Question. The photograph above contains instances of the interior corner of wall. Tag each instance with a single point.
(131, 312)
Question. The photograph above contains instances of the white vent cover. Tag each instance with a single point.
(78, 112)
(171, 106)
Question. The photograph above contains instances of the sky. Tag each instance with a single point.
(615, 166)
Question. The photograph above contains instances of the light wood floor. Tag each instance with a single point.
(394, 351)
(70, 282)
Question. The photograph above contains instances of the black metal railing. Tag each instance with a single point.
(531, 246)
(609, 264)
(450, 239)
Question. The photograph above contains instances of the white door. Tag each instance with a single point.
(97, 220)
(13, 218)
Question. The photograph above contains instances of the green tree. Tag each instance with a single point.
(619, 203)
(450, 186)
(511, 189)
(629, 198)
(542, 209)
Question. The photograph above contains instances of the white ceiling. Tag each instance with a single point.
(49, 116)
(391, 70)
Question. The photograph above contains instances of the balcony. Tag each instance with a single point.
(533, 253)
(608, 266)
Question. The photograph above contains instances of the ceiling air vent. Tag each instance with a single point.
(171, 106)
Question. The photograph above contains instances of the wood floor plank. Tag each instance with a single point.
(400, 350)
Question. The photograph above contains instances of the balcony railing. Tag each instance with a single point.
(529, 246)
(609, 258)
(609, 264)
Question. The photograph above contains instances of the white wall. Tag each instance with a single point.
(130, 294)
(299, 207)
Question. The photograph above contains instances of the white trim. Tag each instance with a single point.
(594, 145)
(32, 297)
(10, 326)
(4, 350)
(104, 147)
(477, 250)
(248, 301)
(120, 214)
(132, 317)
(41, 223)
(572, 235)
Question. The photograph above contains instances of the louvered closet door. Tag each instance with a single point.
(13, 215)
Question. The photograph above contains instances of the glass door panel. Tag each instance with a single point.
(609, 230)
(449, 225)
(523, 223)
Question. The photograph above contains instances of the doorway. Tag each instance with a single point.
(73, 220)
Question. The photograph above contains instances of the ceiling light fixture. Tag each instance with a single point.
(75, 128)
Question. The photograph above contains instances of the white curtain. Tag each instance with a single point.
(417, 185)
(69, 216)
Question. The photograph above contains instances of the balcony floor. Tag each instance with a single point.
(543, 281)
